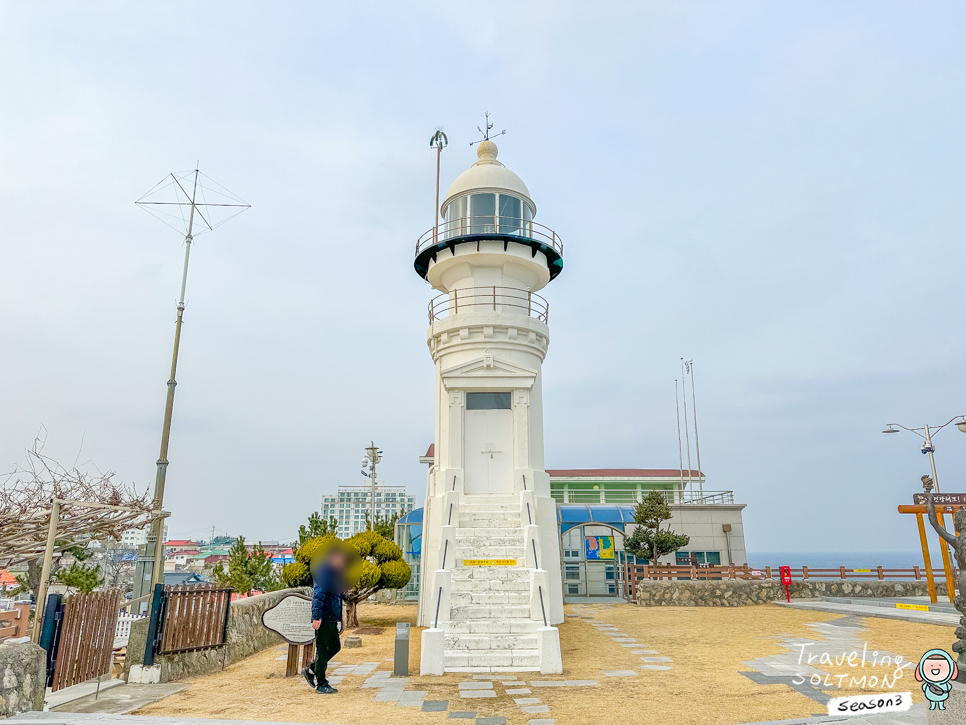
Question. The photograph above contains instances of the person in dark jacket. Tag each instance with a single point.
(328, 578)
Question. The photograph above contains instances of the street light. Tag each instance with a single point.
(373, 456)
(927, 446)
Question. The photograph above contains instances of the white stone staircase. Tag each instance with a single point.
(490, 628)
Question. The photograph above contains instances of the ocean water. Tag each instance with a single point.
(835, 559)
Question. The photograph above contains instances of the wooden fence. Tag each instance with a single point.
(637, 572)
(13, 622)
(86, 638)
(194, 617)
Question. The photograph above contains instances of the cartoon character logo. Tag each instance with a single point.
(935, 671)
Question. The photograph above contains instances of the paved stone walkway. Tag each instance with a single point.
(916, 715)
(481, 686)
(837, 638)
(941, 613)
(651, 658)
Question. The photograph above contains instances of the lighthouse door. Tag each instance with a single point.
(488, 444)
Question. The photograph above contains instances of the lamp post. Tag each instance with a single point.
(926, 432)
(373, 456)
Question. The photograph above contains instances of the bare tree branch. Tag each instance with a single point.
(25, 504)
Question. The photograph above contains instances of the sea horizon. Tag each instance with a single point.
(835, 559)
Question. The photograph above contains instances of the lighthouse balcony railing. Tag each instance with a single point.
(495, 225)
(489, 299)
(672, 497)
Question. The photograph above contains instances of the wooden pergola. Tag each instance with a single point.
(920, 510)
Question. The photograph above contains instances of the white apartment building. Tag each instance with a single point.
(351, 504)
(138, 537)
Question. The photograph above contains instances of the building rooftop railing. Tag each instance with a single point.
(483, 299)
(634, 497)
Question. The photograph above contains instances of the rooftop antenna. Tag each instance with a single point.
(486, 131)
(193, 204)
(438, 142)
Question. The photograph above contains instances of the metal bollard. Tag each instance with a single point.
(400, 659)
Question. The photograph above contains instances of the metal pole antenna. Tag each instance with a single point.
(157, 525)
(167, 201)
(694, 410)
(439, 155)
(677, 407)
(687, 437)
(439, 142)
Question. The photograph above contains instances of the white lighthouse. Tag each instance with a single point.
(491, 589)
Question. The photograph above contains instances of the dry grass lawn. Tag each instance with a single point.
(704, 687)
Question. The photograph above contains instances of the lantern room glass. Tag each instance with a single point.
(487, 214)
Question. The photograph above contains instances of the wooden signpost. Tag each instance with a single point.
(291, 617)
(946, 503)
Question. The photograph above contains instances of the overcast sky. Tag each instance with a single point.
(775, 190)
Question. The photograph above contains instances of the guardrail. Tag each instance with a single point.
(634, 497)
(702, 572)
(525, 229)
(481, 299)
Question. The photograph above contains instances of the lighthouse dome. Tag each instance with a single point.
(488, 176)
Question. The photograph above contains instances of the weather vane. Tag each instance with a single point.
(486, 132)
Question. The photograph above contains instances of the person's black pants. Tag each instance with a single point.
(327, 644)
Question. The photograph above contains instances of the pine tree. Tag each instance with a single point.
(247, 571)
(385, 525)
(649, 541)
(237, 576)
(317, 527)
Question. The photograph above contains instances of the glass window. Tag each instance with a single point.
(483, 213)
(572, 544)
(510, 220)
(456, 218)
(487, 401)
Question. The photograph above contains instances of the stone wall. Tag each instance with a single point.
(245, 637)
(23, 672)
(739, 592)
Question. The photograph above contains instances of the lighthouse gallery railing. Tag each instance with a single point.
(482, 299)
(526, 229)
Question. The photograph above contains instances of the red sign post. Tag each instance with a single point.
(786, 572)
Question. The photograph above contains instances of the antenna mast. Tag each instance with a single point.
(438, 142)
(170, 198)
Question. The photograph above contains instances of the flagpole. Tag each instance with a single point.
(694, 410)
(677, 407)
(687, 437)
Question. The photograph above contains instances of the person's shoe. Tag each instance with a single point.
(309, 676)
(326, 690)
